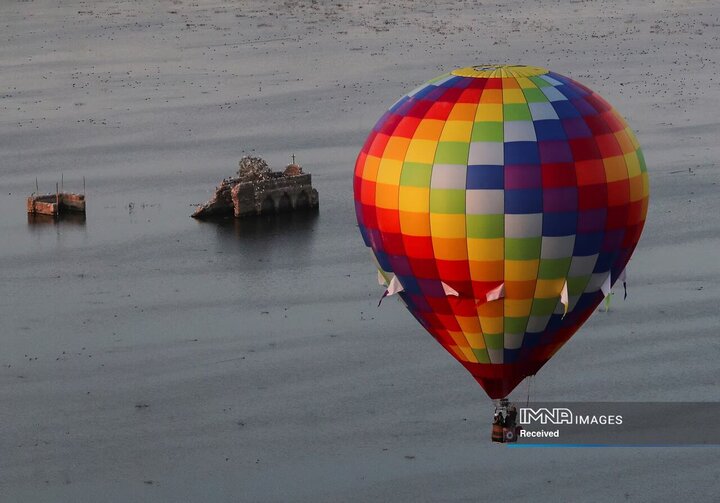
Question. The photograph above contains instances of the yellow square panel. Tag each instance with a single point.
(421, 151)
(489, 112)
(429, 129)
(447, 226)
(476, 340)
(414, 224)
(615, 168)
(389, 171)
(468, 354)
(518, 308)
(548, 288)
(526, 83)
(462, 112)
(521, 270)
(486, 250)
(513, 96)
(415, 199)
(457, 130)
(396, 148)
(449, 248)
(633, 164)
(492, 324)
(370, 170)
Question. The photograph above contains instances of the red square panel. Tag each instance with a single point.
(558, 175)
(419, 246)
(424, 268)
(592, 196)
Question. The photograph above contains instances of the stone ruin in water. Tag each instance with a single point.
(257, 190)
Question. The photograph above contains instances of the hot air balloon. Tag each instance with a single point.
(500, 203)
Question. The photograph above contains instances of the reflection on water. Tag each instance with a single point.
(283, 240)
(70, 219)
(268, 225)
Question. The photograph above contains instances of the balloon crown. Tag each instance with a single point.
(500, 71)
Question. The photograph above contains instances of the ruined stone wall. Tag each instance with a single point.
(274, 195)
(274, 192)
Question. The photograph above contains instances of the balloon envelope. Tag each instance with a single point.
(501, 198)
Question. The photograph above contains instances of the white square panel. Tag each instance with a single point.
(496, 355)
(448, 176)
(489, 153)
(512, 341)
(557, 247)
(537, 324)
(523, 226)
(542, 111)
(485, 202)
(520, 130)
(551, 80)
(553, 94)
(582, 266)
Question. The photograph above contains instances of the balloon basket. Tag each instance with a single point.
(504, 426)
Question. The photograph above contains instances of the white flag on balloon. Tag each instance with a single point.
(394, 287)
(449, 290)
(496, 293)
(606, 286)
(564, 298)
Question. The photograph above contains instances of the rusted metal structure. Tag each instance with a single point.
(56, 204)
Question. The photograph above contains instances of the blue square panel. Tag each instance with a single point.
(485, 177)
(521, 201)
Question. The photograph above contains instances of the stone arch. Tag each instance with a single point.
(268, 206)
(284, 203)
(303, 200)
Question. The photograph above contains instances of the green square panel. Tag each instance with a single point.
(485, 226)
(415, 174)
(481, 355)
(553, 268)
(515, 325)
(447, 201)
(534, 95)
(577, 285)
(452, 152)
(522, 248)
(516, 112)
(543, 307)
(641, 158)
(487, 131)
(437, 79)
(494, 341)
(540, 82)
